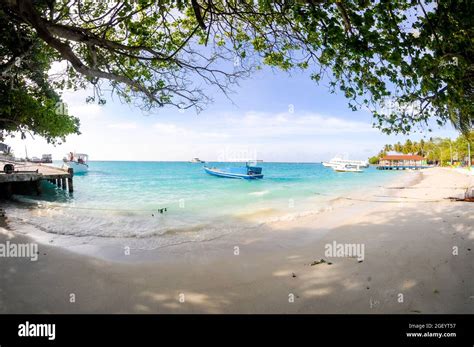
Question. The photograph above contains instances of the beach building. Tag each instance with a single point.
(401, 162)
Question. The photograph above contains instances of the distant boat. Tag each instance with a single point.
(337, 161)
(347, 168)
(196, 160)
(35, 160)
(77, 162)
(47, 158)
(249, 172)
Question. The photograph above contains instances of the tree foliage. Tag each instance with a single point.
(407, 61)
(29, 102)
(436, 149)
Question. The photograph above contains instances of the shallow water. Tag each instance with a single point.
(121, 199)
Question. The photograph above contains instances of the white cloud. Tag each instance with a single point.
(298, 136)
(123, 126)
(85, 111)
(187, 133)
(289, 124)
(169, 129)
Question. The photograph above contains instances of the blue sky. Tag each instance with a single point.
(273, 115)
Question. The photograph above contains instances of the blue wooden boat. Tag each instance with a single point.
(248, 172)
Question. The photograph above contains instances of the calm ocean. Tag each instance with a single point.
(121, 199)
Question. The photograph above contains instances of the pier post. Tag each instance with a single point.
(9, 189)
(69, 179)
(36, 185)
(63, 183)
(60, 181)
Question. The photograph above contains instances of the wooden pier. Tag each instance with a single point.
(402, 162)
(27, 176)
(400, 167)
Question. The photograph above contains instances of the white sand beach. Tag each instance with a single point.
(418, 258)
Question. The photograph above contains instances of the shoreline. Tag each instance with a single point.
(408, 246)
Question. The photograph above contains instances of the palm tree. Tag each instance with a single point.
(422, 147)
(415, 147)
(388, 148)
(398, 147)
(407, 147)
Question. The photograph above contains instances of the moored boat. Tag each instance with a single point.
(249, 172)
(47, 158)
(347, 168)
(196, 160)
(338, 161)
(35, 160)
(77, 162)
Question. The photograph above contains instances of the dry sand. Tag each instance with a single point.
(409, 231)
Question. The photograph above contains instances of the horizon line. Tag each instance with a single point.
(207, 161)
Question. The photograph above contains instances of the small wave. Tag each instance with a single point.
(145, 231)
(21, 200)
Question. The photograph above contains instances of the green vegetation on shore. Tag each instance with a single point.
(439, 150)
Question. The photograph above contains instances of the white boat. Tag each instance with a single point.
(47, 158)
(196, 160)
(77, 162)
(35, 160)
(347, 168)
(338, 161)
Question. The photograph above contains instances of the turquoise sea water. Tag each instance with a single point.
(121, 199)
